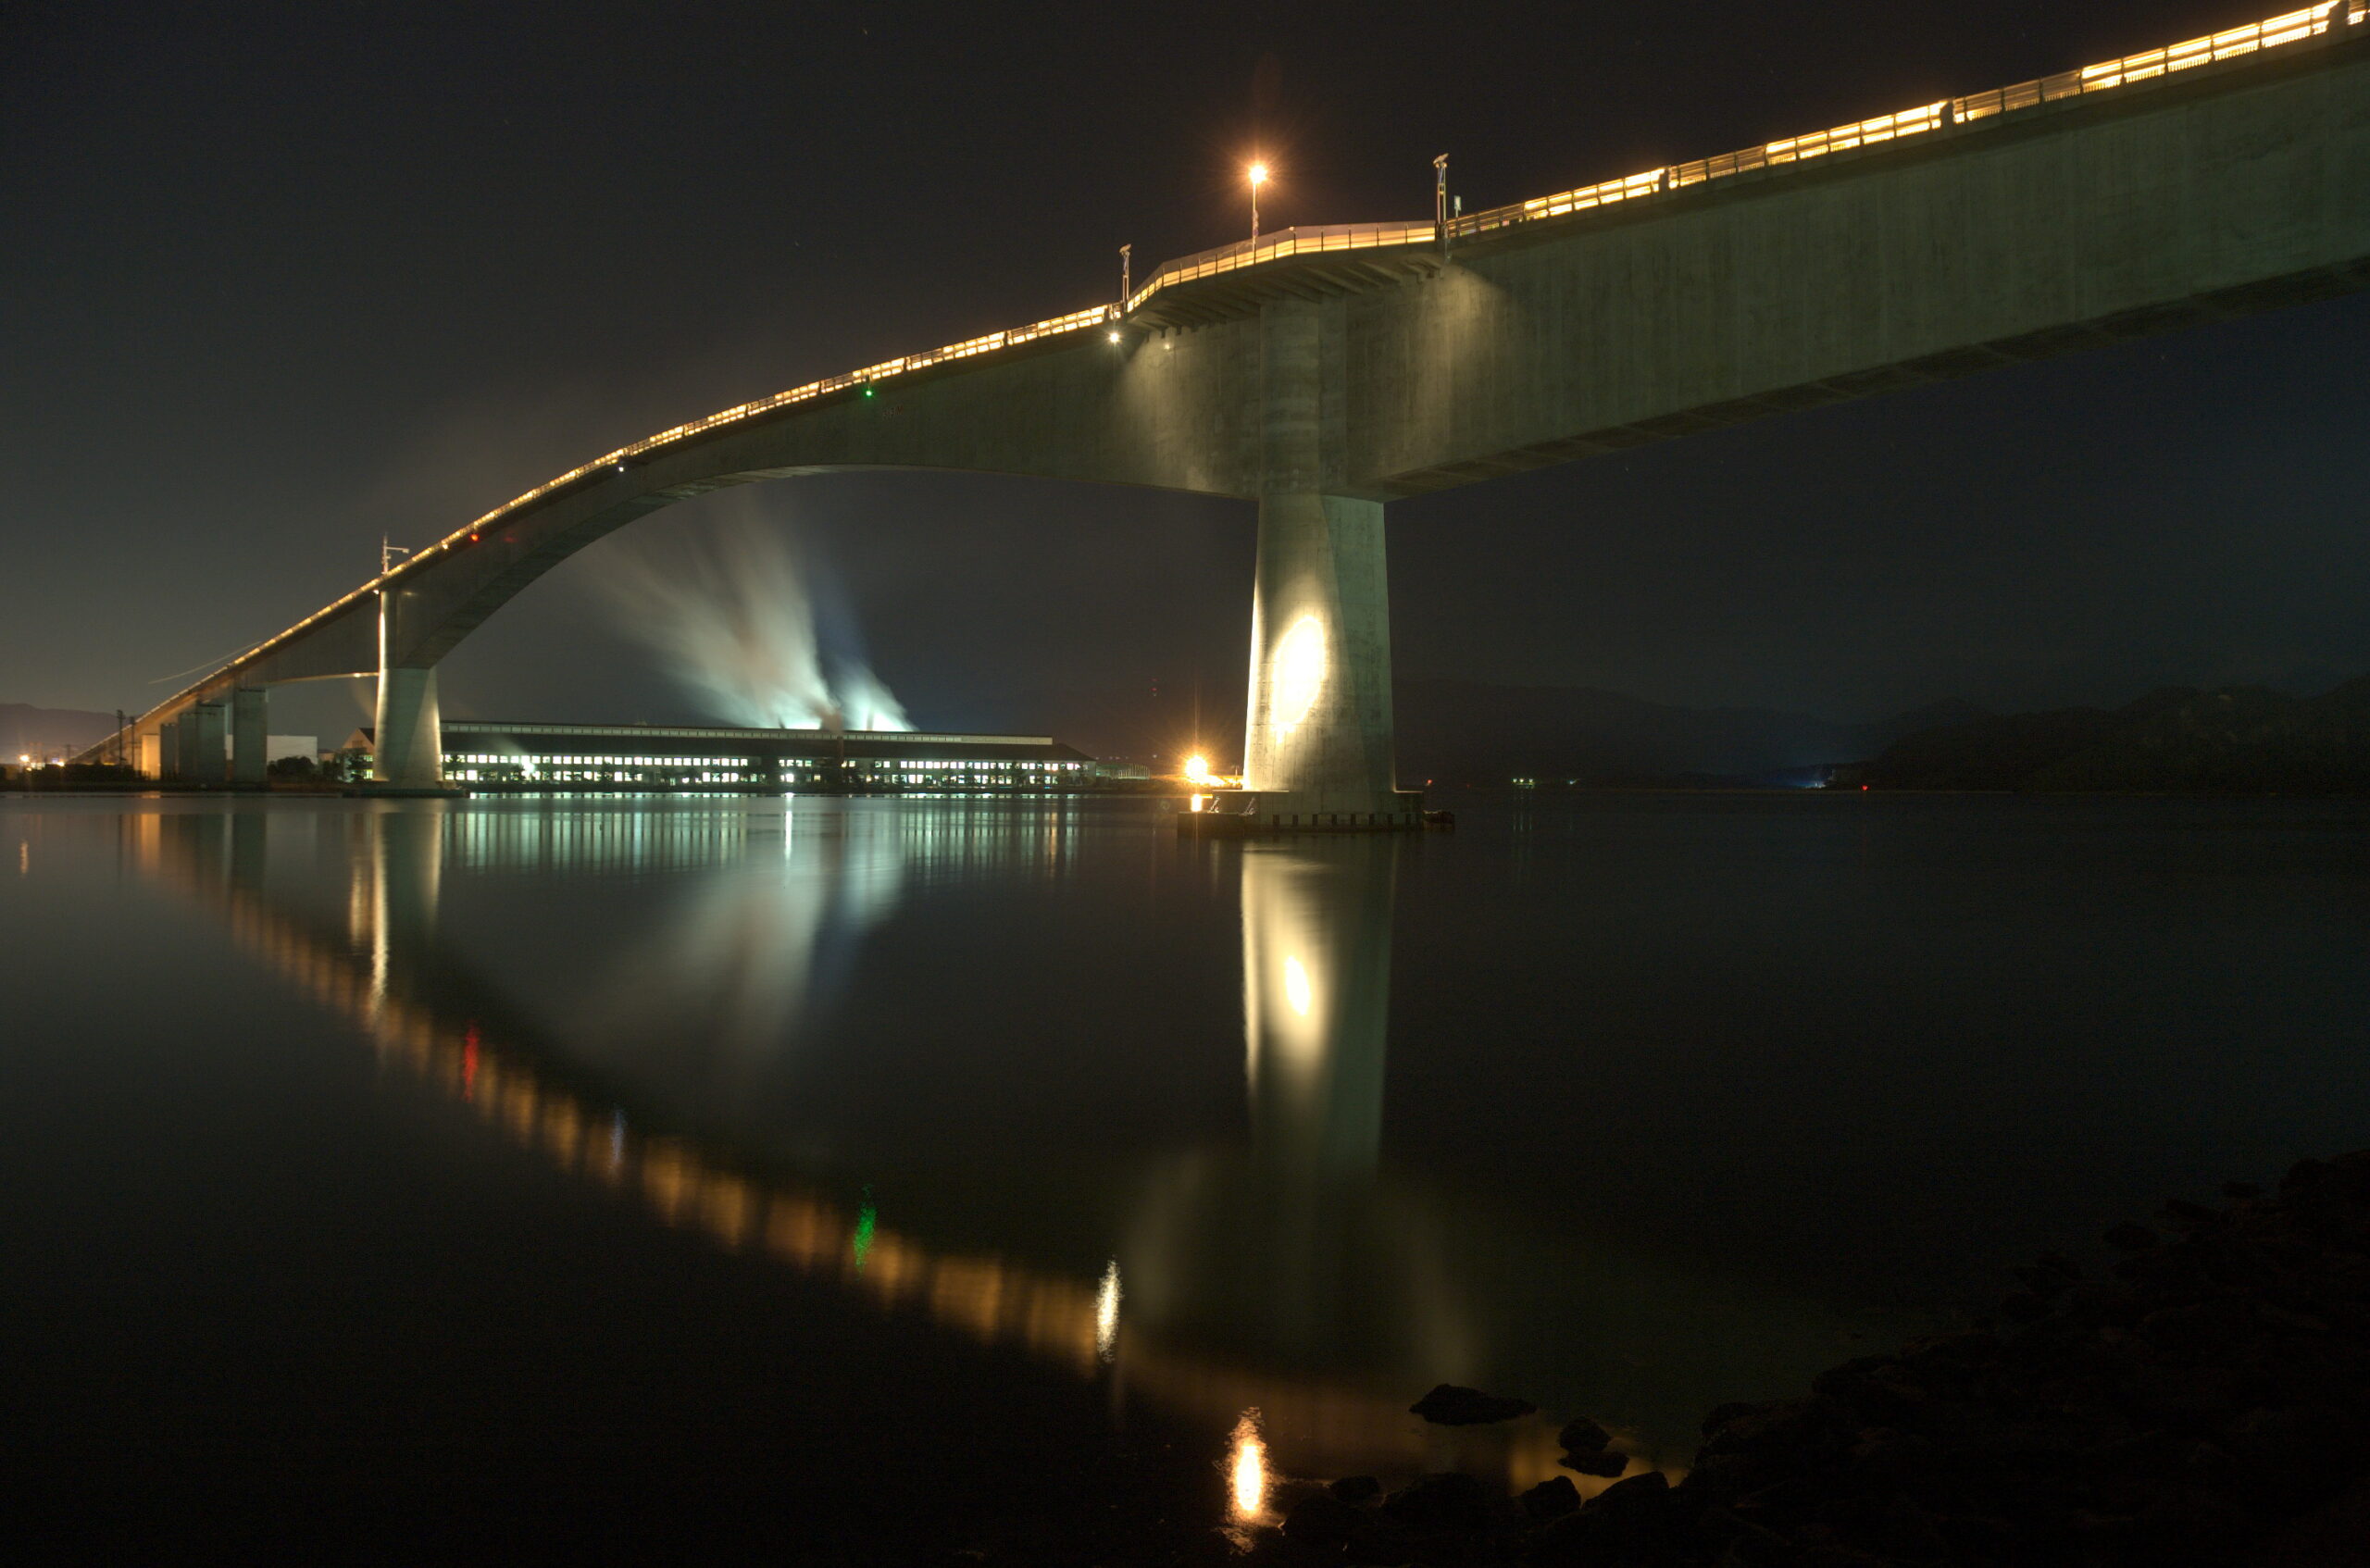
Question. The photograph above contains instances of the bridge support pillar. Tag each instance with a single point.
(410, 730)
(201, 758)
(249, 735)
(167, 741)
(1316, 752)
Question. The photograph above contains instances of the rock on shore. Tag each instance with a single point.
(2211, 1387)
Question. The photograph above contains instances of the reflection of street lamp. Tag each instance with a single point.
(1258, 173)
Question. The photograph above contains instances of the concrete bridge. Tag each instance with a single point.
(1325, 372)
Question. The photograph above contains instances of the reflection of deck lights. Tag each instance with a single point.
(1295, 675)
(1248, 1470)
(1106, 1313)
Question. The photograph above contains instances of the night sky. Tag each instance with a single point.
(278, 279)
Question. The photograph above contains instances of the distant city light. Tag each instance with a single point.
(1114, 337)
(1197, 770)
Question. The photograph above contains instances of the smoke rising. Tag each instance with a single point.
(732, 608)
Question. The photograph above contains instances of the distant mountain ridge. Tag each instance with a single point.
(1474, 732)
(2233, 740)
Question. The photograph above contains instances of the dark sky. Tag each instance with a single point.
(277, 280)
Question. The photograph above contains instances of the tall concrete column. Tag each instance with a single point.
(203, 758)
(1319, 736)
(169, 749)
(409, 750)
(249, 735)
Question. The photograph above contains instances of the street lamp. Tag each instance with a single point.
(1258, 173)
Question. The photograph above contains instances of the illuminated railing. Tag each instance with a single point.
(2291, 27)
(1627, 187)
(1817, 144)
(1278, 247)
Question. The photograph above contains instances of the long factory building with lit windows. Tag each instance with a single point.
(483, 756)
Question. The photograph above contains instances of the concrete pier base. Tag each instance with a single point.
(199, 754)
(250, 736)
(410, 742)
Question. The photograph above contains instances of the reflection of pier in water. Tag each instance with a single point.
(1296, 1274)
(1176, 1275)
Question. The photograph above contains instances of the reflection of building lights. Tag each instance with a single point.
(1106, 1313)
(1296, 986)
(1247, 1469)
(1295, 675)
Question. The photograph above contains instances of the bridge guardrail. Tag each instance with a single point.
(1283, 242)
(2291, 27)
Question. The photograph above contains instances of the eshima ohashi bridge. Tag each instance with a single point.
(1323, 372)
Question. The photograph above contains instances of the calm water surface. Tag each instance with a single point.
(838, 1180)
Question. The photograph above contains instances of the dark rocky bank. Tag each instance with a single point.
(2211, 1388)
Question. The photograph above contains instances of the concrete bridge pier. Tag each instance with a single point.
(1318, 744)
(249, 735)
(199, 757)
(409, 753)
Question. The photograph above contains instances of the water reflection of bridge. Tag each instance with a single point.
(1294, 1275)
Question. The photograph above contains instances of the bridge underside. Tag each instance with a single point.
(1322, 388)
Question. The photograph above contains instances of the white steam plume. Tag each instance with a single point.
(730, 610)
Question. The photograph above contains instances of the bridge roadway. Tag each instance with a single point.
(1325, 372)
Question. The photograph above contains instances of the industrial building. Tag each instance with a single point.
(484, 755)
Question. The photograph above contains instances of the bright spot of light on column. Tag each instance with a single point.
(1106, 1313)
(1247, 1469)
(1295, 675)
(1296, 986)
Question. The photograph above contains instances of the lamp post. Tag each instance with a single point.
(1258, 173)
(1440, 201)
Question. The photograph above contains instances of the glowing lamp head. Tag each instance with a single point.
(1258, 173)
(1114, 337)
